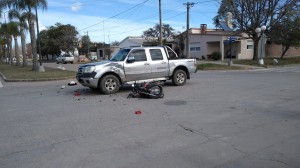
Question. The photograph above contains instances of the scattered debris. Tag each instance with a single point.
(72, 83)
(275, 61)
(138, 112)
(63, 86)
(61, 67)
(77, 93)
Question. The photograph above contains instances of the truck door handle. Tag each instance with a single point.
(163, 62)
(146, 63)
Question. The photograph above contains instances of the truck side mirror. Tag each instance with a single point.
(131, 59)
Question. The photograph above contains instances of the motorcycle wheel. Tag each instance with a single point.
(156, 91)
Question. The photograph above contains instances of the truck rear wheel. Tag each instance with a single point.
(109, 84)
(179, 77)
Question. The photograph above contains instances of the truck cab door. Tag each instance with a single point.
(137, 66)
(159, 64)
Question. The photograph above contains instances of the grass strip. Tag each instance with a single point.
(12, 72)
(212, 66)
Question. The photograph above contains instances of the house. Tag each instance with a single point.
(132, 41)
(138, 41)
(203, 42)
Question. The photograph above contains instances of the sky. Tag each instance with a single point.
(113, 20)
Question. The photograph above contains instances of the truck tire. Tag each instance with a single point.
(179, 77)
(109, 84)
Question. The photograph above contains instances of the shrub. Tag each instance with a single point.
(216, 55)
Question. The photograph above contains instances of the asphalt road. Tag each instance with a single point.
(218, 119)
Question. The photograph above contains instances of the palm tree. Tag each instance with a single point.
(21, 17)
(14, 32)
(6, 41)
(28, 6)
(11, 29)
(5, 30)
(2, 42)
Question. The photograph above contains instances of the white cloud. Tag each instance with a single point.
(76, 6)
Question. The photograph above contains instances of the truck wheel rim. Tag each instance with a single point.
(110, 84)
(180, 78)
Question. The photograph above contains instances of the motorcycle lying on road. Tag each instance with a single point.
(147, 89)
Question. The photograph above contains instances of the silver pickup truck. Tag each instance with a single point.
(136, 65)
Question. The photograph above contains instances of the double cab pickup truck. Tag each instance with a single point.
(137, 64)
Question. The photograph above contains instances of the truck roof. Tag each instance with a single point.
(144, 47)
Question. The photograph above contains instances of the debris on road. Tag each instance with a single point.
(62, 68)
(77, 93)
(138, 112)
(72, 83)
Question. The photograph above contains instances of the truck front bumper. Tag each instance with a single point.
(89, 82)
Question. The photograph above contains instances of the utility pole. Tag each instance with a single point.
(160, 24)
(88, 45)
(188, 6)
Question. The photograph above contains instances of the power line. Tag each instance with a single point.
(115, 15)
(142, 19)
(144, 26)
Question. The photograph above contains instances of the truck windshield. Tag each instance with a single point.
(121, 55)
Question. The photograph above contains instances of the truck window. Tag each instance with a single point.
(120, 56)
(156, 54)
(139, 55)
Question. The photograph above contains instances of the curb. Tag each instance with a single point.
(247, 67)
(33, 80)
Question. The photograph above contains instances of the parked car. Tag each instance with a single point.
(65, 58)
(134, 65)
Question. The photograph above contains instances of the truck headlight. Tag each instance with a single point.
(89, 69)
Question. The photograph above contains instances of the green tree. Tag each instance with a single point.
(68, 39)
(115, 43)
(21, 18)
(9, 29)
(223, 9)
(250, 14)
(58, 38)
(27, 6)
(287, 32)
(15, 32)
(5, 41)
(49, 45)
(167, 32)
(85, 44)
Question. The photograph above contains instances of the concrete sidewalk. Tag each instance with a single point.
(226, 63)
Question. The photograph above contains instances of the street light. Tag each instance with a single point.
(260, 31)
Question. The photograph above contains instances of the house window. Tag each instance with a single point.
(249, 45)
(195, 47)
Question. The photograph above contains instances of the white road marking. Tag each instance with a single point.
(1, 85)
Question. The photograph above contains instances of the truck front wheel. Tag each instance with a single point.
(109, 84)
(179, 77)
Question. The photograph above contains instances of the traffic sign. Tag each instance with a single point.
(232, 38)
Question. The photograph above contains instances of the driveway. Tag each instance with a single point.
(218, 119)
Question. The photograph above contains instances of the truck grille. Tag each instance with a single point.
(80, 71)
